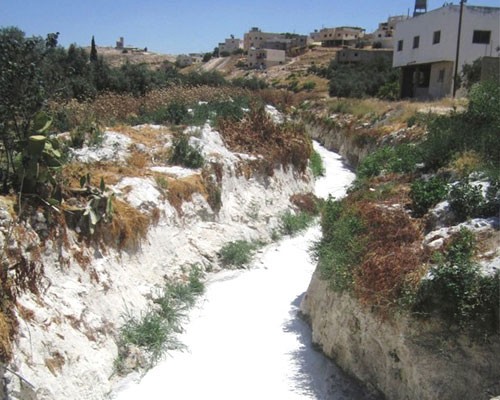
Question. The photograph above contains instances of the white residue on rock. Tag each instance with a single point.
(113, 148)
(139, 192)
(275, 115)
(176, 171)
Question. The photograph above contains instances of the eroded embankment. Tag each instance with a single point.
(66, 343)
(403, 357)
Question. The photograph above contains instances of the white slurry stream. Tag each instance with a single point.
(244, 339)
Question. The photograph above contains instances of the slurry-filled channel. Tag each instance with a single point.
(245, 339)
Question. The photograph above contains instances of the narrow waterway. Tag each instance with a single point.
(245, 340)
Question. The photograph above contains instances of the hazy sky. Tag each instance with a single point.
(174, 27)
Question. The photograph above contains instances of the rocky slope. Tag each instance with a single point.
(66, 343)
(402, 357)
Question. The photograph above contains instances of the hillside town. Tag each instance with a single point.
(424, 45)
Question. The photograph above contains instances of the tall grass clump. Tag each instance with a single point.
(184, 154)
(292, 223)
(155, 331)
(238, 253)
(317, 167)
(279, 144)
(341, 248)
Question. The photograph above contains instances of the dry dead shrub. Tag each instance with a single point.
(127, 228)
(110, 172)
(8, 329)
(393, 256)
(181, 190)
(55, 363)
(279, 144)
(305, 202)
(138, 160)
(285, 99)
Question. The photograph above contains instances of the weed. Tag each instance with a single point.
(292, 223)
(316, 163)
(399, 159)
(184, 154)
(161, 182)
(237, 253)
(155, 331)
(341, 248)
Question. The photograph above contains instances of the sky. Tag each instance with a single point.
(176, 27)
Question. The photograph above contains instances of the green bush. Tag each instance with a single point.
(213, 111)
(341, 247)
(292, 223)
(361, 80)
(466, 200)
(458, 292)
(184, 154)
(426, 194)
(237, 253)
(401, 159)
(476, 130)
(317, 164)
(309, 85)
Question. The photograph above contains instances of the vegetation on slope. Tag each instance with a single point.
(372, 240)
(55, 100)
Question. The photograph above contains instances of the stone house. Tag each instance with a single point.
(426, 47)
(340, 36)
(383, 37)
(230, 45)
(288, 42)
(265, 58)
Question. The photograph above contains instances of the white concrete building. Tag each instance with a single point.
(426, 47)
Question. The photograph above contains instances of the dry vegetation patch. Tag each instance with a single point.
(279, 144)
(393, 257)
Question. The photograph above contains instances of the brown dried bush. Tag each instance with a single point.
(279, 144)
(393, 257)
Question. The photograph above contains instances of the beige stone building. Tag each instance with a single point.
(383, 37)
(340, 36)
(265, 58)
(230, 45)
(288, 42)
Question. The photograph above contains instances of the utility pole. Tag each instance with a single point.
(455, 77)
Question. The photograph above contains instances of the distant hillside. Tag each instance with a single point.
(115, 57)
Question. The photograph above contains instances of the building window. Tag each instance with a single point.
(416, 42)
(400, 45)
(436, 38)
(481, 37)
(441, 76)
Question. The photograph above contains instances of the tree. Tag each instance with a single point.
(23, 92)
(93, 51)
(207, 57)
